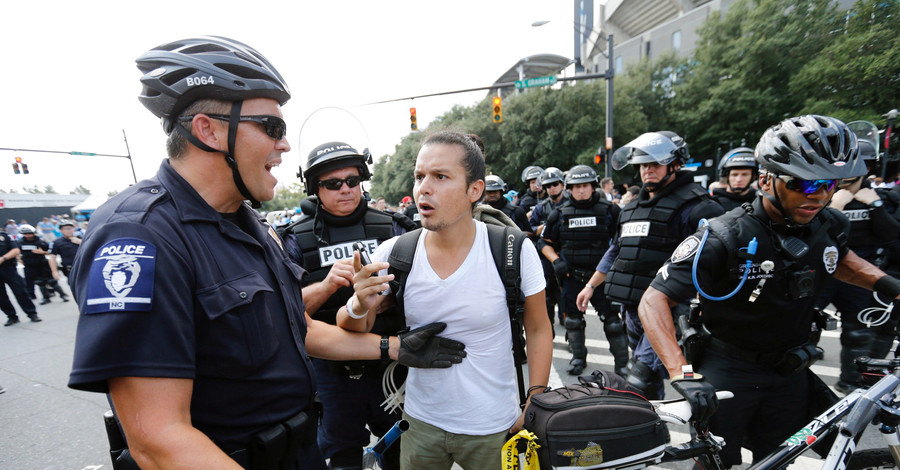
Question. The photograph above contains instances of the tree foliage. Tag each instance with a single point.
(761, 62)
(288, 197)
(80, 190)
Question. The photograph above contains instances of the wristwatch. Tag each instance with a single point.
(589, 285)
(385, 346)
(876, 204)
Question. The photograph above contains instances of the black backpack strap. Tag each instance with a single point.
(401, 259)
(506, 246)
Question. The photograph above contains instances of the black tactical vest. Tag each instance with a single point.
(730, 201)
(863, 240)
(777, 320)
(584, 233)
(528, 201)
(325, 239)
(646, 241)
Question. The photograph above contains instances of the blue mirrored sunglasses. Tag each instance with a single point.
(807, 186)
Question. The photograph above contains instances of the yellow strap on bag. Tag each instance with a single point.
(520, 452)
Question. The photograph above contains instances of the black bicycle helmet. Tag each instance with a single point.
(181, 72)
(582, 174)
(494, 183)
(551, 175)
(740, 157)
(531, 172)
(331, 156)
(663, 147)
(810, 147)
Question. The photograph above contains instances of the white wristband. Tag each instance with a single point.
(350, 310)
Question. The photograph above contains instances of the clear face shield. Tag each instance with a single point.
(331, 124)
(651, 147)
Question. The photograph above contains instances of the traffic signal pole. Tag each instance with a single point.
(91, 154)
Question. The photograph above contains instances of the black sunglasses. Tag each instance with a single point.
(552, 185)
(274, 126)
(335, 184)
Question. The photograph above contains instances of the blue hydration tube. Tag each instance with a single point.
(751, 250)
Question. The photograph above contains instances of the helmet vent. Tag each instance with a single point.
(243, 72)
(176, 76)
(205, 47)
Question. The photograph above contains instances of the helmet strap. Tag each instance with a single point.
(229, 159)
(654, 187)
(776, 201)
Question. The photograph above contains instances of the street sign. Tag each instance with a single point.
(82, 153)
(536, 81)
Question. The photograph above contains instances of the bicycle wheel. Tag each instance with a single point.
(871, 459)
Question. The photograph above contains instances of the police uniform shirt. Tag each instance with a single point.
(29, 258)
(412, 213)
(7, 244)
(605, 227)
(776, 320)
(168, 288)
(66, 249)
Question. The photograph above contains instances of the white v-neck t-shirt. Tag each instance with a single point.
(478, 396)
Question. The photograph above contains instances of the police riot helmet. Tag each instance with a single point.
(810, 147)
(582, 174)
(25, 229)
(551, 175)
(494, 183)
(740, 157)
(867, 150)
(181, 72)
(331, 156)
(663, 147)
(531, 172)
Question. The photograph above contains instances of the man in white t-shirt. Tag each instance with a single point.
(462, 414)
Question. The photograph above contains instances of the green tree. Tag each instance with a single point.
(744, 66)
(857, 74)
(288, 197)
(80, 190)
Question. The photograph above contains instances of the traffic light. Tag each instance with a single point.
(25, 168)
(413, 125)
(16, 168)
(498, 110)
(18, 165)
(598, 158)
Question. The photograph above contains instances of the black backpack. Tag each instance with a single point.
(506, 245)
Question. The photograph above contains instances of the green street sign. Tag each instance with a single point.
(536, 81)
(82, 153)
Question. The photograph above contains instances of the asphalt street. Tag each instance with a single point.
(46, 425)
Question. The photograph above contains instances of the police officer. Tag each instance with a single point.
(9, 254)
(322, 243)
(787, 247)
(872, 227)
(38, 270)
(578, 234)
(738, 169)
(411, 212)
(551, 180)
(191, 312)
(65, 246)
(668, 208)
(494, 187)
(531, 177)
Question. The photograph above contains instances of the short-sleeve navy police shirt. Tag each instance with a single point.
(168, 288)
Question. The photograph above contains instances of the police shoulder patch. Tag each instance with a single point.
(686, 249)
(121, 277)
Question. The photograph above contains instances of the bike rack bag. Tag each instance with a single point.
(601, 422)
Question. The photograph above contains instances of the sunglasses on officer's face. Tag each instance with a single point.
(552, 185)
(274, 126)
(807, 186)
(335, 184)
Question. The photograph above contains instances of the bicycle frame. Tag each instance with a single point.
(846, 421)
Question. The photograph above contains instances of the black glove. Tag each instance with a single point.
(702, 397)
(560, 268)
(421, 348)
